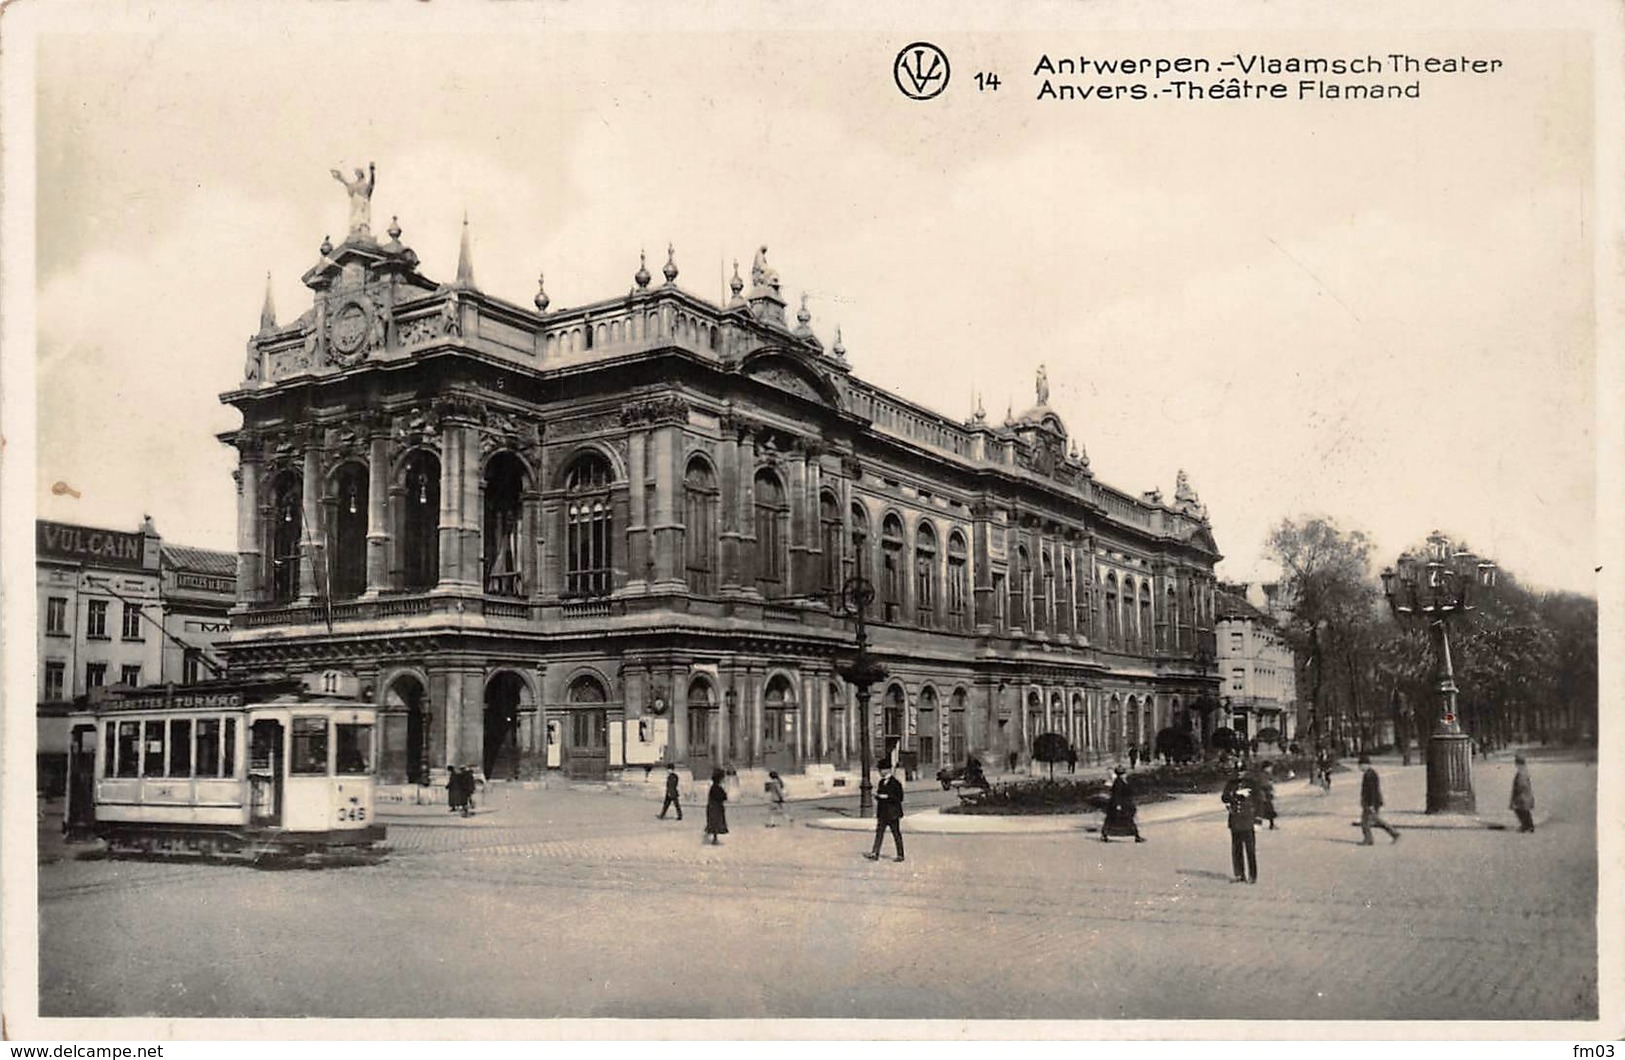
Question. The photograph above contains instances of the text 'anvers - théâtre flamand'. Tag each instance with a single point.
(1391, 75)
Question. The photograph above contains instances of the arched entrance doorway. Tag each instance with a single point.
(586, 748)
(407, 727)
(928, 740)
(894, 720)
(503, 694)
(702, 727)
(778, 724)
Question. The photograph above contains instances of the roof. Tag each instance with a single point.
(1229, 605)
(200, 560)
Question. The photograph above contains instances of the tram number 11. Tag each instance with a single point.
(352, 813)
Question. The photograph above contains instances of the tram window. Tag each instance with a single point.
(208, 747)
(228, 756)
(129, 748)
(180, 747)
(152, 761)
(109, 752)
(309, 747)
(354, 748)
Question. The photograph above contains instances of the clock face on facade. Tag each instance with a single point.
(349, 328)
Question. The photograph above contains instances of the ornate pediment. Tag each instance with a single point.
(792, 373)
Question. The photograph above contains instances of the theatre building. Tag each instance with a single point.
(610, 535)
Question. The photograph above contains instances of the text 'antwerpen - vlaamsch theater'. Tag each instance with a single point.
(608, 535)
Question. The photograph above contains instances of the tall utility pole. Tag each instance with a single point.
(862, 673)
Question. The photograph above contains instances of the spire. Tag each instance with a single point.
(641, 277)
(980, 415)
(541, 299)
(465, 261)
(268, 310)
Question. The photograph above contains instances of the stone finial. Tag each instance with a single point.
(541, 299)
(839, 350)
(980, 415)
(268, 310)
(736, 285)
(394, 229)
(641, 277)
(803, 317)
(465, 260)
(670, 271)
(327, 246)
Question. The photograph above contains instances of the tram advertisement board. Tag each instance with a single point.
(178, 700)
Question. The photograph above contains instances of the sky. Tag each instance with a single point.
(1378, 312)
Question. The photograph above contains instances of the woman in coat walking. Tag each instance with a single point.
(1523, 796)
(1120, 810)
(716, 813)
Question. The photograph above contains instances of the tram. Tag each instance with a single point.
(250, 769)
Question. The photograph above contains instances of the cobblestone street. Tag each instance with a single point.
(573, 903)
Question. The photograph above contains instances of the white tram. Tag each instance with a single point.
(251, 768)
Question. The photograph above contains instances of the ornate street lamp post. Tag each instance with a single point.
(862, 672)
(1432, 590)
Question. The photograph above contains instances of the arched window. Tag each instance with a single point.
(347, 537)
(1170, 618)
(956, 725)
(420, 522)
(925, 575)
(700, 526)
(504, 507)
(1044, 591)
(958, 583)
(1064, 616)
(287, 529)
(1131, 632)
(1145, 617)
(589, 525)
(771, 516)
(891, 568)
(1020, 579)
(860, 541)
(701, 711)
(829, 539)
(1112, 617)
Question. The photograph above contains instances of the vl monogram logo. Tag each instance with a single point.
(921, 70)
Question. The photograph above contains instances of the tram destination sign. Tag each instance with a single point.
(176, 701)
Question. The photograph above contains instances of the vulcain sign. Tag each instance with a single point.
(106, 547)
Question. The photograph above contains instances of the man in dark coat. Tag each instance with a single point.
(1241, 796)
(672, 789)
(1371, 804)
(1523, 796)
(888, 812)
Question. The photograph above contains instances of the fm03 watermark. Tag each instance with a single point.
(1600, 1051)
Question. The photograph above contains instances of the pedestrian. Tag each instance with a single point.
(1371, 804)
(1523, 795)
(1323, 770)
(775, 799)
(1071, 759)
(1266, 795)
(716, 812)
(888, 812)
(454, 789)
(1134, 756)
(673, 789)
(1241, 796)
(1013, 758)
(1120, 810)
(469, 783)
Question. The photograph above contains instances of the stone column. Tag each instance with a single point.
(666, 522)
(745, 517)
(530, 550)
(637, 527)
(310, 540)
(250, 547)
(677, 711)
(982, 571)
(728, 502)
(821, 685)
(451, 477)
(471, 518)
(378, 498)
(815, 525)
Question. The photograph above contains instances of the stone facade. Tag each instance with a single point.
(615, 534)
(1256, 667)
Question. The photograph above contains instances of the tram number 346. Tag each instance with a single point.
(352, 813)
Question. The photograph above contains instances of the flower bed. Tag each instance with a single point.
(1024, 797)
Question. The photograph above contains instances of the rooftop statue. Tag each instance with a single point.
(762, 274)
(360, 190)
(1043, 386)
